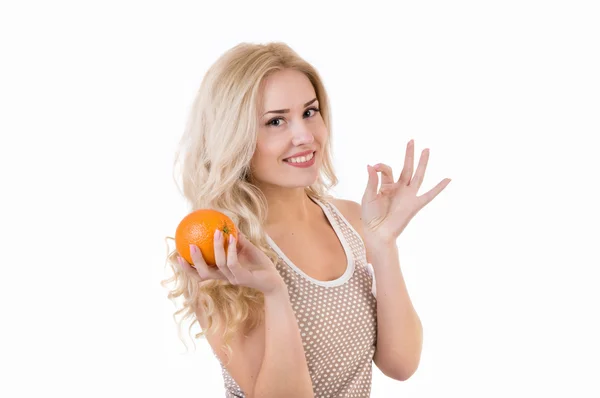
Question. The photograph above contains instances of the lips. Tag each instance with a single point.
(299, 154)
(302, 161)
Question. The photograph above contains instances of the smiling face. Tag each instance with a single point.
(291, 132)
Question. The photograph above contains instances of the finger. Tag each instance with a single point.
(220, 257)
(417, 179)
(372, 184)
(204, 270)
(232, 257)
(435, 191)
(409, 161)
(241, 241)
(387, 176)
(240, 274)
(188, 269)
(242, 244)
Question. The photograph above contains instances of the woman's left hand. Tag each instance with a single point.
(386, 213)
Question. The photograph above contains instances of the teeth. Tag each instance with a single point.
(301, 159)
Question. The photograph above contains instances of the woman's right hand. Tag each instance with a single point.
(244, 265)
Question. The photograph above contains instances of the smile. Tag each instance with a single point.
(301, 161)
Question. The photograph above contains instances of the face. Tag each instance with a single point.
(291, 134)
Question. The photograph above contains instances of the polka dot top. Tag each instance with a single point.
(337, 318)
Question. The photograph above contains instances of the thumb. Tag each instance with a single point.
(372, 183)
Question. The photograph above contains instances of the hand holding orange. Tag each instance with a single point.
(241, 263)
(199, 228)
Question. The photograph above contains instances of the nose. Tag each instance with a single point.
(301, 135)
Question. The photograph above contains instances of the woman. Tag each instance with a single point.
(290, 310)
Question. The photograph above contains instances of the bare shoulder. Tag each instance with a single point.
(351, 210)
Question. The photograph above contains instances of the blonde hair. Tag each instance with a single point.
(214, 154)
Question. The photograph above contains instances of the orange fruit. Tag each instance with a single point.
(199, 228)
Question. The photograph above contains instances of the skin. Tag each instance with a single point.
(257, 365)
(291, 213)
(283, 135)
(296, 221)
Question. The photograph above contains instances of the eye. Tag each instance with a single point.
(308, 113)
(275, 122)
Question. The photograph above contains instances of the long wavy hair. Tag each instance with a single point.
(213, 163)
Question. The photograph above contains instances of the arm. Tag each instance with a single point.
(399, 329)
(270, 360)
(284, 371)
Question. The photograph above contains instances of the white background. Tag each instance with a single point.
(502, 266)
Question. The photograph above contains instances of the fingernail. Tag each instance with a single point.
(218, 234)
(230, 238)
(193, 249)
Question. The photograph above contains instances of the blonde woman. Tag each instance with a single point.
(312, 292)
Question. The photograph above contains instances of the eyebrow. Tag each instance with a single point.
(287, 110)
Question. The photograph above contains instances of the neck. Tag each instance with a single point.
(287, 206)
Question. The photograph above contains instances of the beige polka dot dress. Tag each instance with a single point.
(337, 319)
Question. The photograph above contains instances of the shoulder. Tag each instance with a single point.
(351, 211)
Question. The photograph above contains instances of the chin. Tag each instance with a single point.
(299, 182)
(293, 180)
